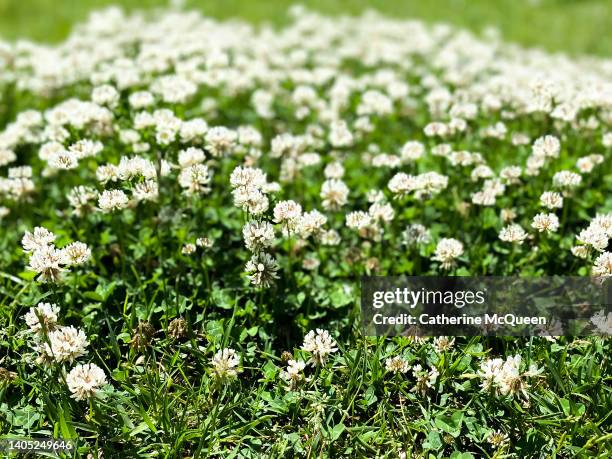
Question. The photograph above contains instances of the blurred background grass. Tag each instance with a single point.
(573, 26)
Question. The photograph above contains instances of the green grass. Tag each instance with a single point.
(574, 26)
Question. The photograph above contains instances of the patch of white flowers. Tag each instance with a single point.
(48, 261)
(151, 135)
(505, 377)
(59, 344)
(135, 96)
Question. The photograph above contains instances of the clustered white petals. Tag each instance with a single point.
(447, 251)
(505, 378)
(225, 363)
(85, 381)
(48, 261)
(42, 316)
(320, 345)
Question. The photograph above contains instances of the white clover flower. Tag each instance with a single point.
(447, 251)
(220, 140)
(320, 344)
(376, 196)
(67, 344)
(165, 136)
(603, 265)
(248, 136)
(20, 172)
(504, 377)
(225, 364)
(7, 157)
(329, 237)
(107, 173)
(195, 179)
(129, 136)
(262, 270)
(311, 263)
(309, 159)
(511, 174)
(520, 138)
(481, 171)
(507, 215)
(489, 372)
(397, 364)
(358, 220)
(105, 95)
(416, 234)
(547, 147)
(112, 200)
(464, 158)
(204, 242)
(191, 156)
(39, 238)
(385, 160)
(513, 233)
(595, 237)
(287, 213)
(424, 379)
(402, 184)
(85, 148)
(192, 130)
(63, 160)
(510, 381)
(334, 170)
(174, 89)
(47, 312)
(412, 150)
(76, 253)
(586, 164)
(81, 198)
(47, 262)
(545, 223)
(49, 149)
(334, 194)
(381, 212)
(551, 200)
(580, 251)
(374, 103)
(436, 129)
(146, 191)
(443, 150)
(293, 374)
(340, 135)
(135, 167)
(141, 99)
(497, 438)
(423, 185)
(567, 179)
(311, 223)
(250, 199)
(443, 343)
(248, 177)
(604, 223)
(188, 249)
(258, 235)
(84, 381)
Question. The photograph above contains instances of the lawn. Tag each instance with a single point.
(191, 209)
